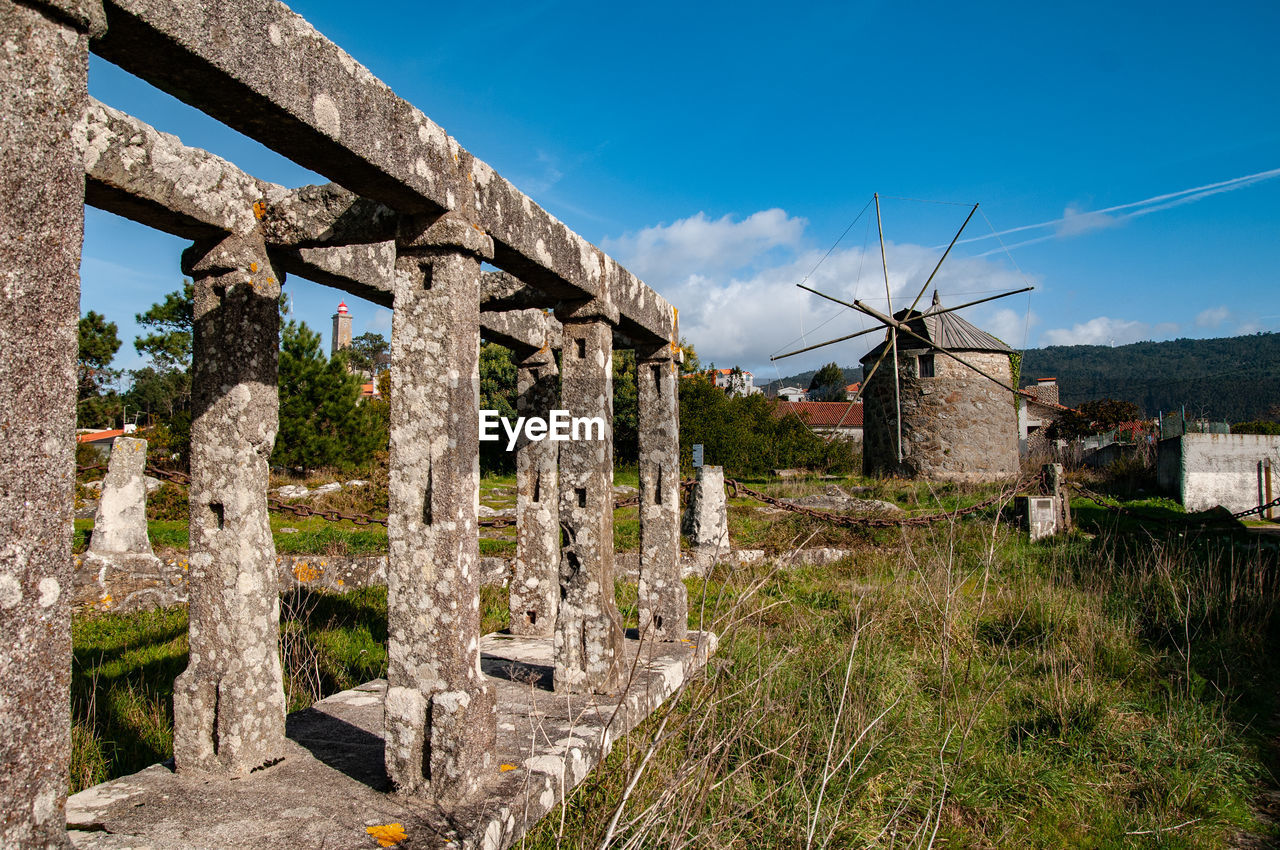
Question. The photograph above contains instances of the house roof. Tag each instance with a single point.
(947, 330)
(98, 436)
(823, 414)
(1032, 397)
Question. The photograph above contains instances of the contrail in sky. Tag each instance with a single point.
(1085, 220)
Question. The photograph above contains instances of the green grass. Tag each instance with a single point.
(1115, 688)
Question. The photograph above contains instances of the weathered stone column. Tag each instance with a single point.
(228, 705)
(440, 715)
(120, 524)
(706, 520)
(588, 643)
(535, 583)
(664, 602)
(44, 66)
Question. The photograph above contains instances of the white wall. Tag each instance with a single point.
(1207, 470)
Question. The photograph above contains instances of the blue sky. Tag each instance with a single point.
(719, 150)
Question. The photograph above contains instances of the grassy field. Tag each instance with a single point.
(951, 685)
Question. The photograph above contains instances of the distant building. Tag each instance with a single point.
(341, 329)
(102, 439)
(735, 382)
(1038, 408)
(956, 425)
(792, 394)
(851, 391)
(826, 417)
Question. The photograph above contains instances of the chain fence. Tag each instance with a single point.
(848, 521)
(738, 489)
(1187, 521)
(181, 479)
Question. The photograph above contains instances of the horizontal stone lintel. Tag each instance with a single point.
(262, 69)
(136, 171)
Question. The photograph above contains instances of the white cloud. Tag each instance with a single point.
(1011, 326)
(1213, 317)
(700, 245)
(735, 284)
(1104, 330)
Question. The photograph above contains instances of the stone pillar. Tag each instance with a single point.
(120, 524)
(535, 584)
(44, 66)
(440, 717)
(706, 521)
(588, 643)
(228, 705)
(664, 602)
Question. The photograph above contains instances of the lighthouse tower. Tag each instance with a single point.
(341, 329)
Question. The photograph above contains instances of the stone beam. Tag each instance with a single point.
(271, 75)
(523, 331)
(135, 171)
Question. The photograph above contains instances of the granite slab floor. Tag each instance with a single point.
(332, 786)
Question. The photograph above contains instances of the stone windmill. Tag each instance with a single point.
(947, 413)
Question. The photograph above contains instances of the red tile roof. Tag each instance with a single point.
(95, 436)
(823, 414)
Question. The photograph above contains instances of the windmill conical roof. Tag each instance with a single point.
(947, 330)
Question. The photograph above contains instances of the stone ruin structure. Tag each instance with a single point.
(957, 425)
(407, 224)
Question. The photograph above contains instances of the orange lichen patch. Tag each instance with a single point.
(253, 267)
(259, 210)
(105, 601)
(304, 572)
(387, 835)
(504, 768)
(339, 582)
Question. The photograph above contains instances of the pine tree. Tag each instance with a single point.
(323, 422)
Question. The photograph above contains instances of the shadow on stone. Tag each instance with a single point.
(340, 745)
(521, 672)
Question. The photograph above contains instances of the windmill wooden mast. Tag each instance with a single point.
(893, 326)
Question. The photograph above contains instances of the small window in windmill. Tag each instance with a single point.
(924, 364)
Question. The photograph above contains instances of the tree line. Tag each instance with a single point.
(327, 422)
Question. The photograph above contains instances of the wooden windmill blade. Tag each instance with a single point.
(963, 335)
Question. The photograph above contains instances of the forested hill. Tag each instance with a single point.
(1236, 379)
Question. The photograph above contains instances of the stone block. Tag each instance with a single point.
(120, 524)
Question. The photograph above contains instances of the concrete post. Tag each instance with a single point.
(663, 600)
(535, 583)
(440, 719)
(120, 524)
(44, 67)
(228, 705)
(588, 643)
(706, 521)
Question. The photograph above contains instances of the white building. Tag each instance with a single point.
(792, 394)
(735, 382)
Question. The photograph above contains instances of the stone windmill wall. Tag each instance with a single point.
(956, 426)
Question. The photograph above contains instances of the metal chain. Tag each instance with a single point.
(1100, 500)
(871, 522)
